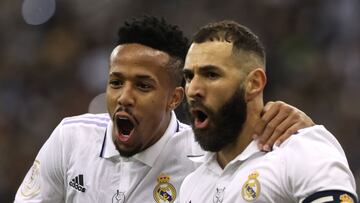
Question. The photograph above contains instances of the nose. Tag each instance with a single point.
(126, 96)
(195, 89)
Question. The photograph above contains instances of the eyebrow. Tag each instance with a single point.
(117, 74)
(203, 68)
(207, 68)
(145, 77)
(138, 77)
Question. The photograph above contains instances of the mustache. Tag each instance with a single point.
(196, 103)
(123, 109)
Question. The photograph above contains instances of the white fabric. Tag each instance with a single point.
(306, 163)
(82, 145)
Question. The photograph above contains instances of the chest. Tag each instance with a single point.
(248, 182)
(95, 179)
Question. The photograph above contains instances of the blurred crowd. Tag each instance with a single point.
(59, 67)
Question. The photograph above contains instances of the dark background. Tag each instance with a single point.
(54, 60)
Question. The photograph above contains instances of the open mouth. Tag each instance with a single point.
(125, 126)
(201, 118)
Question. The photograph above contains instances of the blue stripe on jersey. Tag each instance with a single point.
(330, 196)
(177, 126)
(85, 122)
(103, 146)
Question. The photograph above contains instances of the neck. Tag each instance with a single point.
(231, 151)
(159, 132)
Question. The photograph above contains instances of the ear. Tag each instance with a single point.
(255, 83)
(176, 98)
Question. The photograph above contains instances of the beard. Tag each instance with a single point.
(224, 125)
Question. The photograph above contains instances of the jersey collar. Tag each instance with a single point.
(149, 155)
(210, 157)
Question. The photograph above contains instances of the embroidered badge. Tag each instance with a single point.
(164, 192)
(219, 196)
(345, 198)
(251, 188)
(31, 184)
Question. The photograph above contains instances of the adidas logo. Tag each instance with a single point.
(78, 183)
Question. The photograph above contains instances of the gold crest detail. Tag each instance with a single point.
(31, 185)
(251, 188)
(345, 198)
(164, 191)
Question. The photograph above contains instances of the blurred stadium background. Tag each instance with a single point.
(54, 60)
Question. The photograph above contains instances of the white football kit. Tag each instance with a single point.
(79, 163)
(310, 167)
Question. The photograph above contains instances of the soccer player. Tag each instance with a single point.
(225, 77)
(138, 152)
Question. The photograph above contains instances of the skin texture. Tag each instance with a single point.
(214, 87)
(130, 92)
(278, 120)
(277, 123)
(138, 90)
(222, 126)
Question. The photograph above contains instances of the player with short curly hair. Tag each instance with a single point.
(157, 34)
(137, 152)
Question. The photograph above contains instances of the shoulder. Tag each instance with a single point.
(88, 124)
(81, 129)
(313, 141)
(95, 120)
(312, 148)
(315, 161)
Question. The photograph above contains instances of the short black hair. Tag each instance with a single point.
(160, 35)
(241, 36)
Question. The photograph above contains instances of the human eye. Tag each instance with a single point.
(212, 75)
(115, 83)
(144, 86)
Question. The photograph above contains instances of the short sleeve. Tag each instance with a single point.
(44, 182)
(316, 162)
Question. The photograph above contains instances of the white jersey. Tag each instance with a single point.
(306, 163)
(79, 163)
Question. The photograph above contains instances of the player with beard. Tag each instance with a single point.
(225, 77)
(137, 152)
(225, 124)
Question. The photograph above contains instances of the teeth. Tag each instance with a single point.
(125, 126)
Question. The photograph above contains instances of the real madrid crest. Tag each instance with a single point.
(164, 192)
(251, 188)
(346, 199)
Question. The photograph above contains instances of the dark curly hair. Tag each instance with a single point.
(158, 34)
(242, 37)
